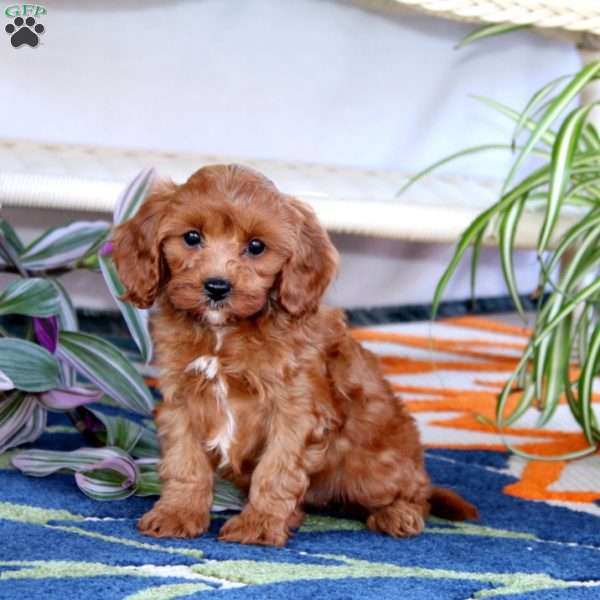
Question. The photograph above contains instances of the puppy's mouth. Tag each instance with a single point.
(216, 304)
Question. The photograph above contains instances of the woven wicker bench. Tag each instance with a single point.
(347, 200)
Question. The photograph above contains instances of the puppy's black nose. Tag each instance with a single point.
(217, 289)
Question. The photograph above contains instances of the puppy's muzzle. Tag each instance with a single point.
(217, 289)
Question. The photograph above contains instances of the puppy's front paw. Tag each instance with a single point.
(173, 521)
(253, 527)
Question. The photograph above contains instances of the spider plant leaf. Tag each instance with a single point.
(547, 137)
(480, 223)
(32, 297)
(558, 357)
(523, 405)
(552, 458)
(563, 152)
(136, 318)
(490, 31)
(581, 227)
(476, 253)
(582, 334)
(133, 195)
(556, 107)
(63, 246)
(507, 232)
(586, 382)
(534, 104)
(507, 389)
(29, 366)
(568, 307)
(106, 367)
(448, 159)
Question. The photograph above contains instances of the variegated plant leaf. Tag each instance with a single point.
(60, 399)
(29, 366)
(147, 445)
(136, 318)
(10, 247)
(33, 297)
(11, 237)
(63, 246)
(22, 420)
(133, 195)
(6, 383)
(120, 432)
(101, 473)
(113, 478)
(67, 318)
(107, 368)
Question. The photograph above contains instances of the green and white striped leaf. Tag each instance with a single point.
(547, 137)
(507, 234)
(101, 473)
(106, 367)
(63, 246)
(563, 153)
(488, 31)
(22, 420)
(120, 432)
(133, 195)
(136, 318)
(67, 319)
(11, 237)
(30, 367)
(33, 297)
(556, 107)
(586, 382)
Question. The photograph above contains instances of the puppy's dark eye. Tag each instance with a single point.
(255, 247)
(192, 238)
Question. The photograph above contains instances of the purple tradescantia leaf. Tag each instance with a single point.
(133, 195)
(113, 478)
(101, 473)
(64, 246)
(120, 464)
(46, 332)
(67, 398)
(22, 419)
(106, 249)
(6, 382)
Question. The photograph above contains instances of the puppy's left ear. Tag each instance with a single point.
(311, 267)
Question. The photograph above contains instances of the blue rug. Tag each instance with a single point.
(56, 543)
(538, 537)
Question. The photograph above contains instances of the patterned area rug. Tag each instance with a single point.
(538, 537)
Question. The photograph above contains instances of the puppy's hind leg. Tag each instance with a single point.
(398, 519)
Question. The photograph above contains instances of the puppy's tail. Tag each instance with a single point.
(446, 504)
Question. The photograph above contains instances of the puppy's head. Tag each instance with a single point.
(224, 245)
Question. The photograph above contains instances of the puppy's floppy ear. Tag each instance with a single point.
(136, 248)
(311, 267)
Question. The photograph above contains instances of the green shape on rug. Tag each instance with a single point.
(169, 591)
(261, 573)
(23, 513)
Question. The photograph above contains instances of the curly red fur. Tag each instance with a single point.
(266, 387)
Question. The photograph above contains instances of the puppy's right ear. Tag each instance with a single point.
(136, 248)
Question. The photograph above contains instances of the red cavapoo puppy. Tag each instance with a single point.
(260, 382)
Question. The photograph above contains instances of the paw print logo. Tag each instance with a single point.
(24, 31)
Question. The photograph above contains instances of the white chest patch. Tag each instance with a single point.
(209, 367)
